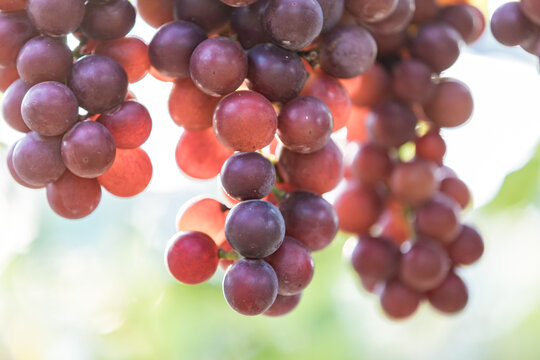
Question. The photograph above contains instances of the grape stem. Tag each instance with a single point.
(228, 255)
(278, 193)
(311, 56)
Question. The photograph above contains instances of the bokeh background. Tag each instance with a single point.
(98, 288)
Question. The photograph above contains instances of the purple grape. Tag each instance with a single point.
(375, 258)
(396, 21)
(250, 286)
(45, 59)
(99, 83)
(347, 51)
(293, 265)
(412, 81)
(15, 30)
(50, 108)
(11, 168)
(283, 304)
(56, 17)
(399, 301)
(255, 228)
(451, 296)
(332, 12)
(293, 24)
(247, 23)
(172, 46)
(310, 219)
(371, 10)
(275, 73)
(467, 248)
(211, 15)
(218, 66)
(37, 159)
(248, 176)
(437, 44)
(391, 124)
(88, 149)
(305, 124)
(108, 21)
(510, 26)
(11, 105)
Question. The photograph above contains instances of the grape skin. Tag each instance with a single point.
(11, 105)
(56, 17)
(15, 30)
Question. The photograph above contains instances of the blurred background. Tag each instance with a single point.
(98, 288)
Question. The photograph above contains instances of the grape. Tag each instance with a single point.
(426, 11)
(412, 81)
(375, 258)
(199, 154)
(467, 248)
(56, 17)
(329, 90)
(11, 105)
(394, 224)
(399, 301)
(451, 296)
(305, 124)
(293, 265)
(456, 189)
(371, 10)
(44, 59)
(108, 21)
(205, 215)
(255, 228)
(190, 107)
(50, 108)
(437, 44)
(356, 125)
(129, 124)
(370, 89)
(247, 24)
(247, 176)
(73, 197)
(37, 159)
(438, 219)
(130, 52)
(283, 304)
(531, 9)
(245, 121)
(466, 19)
(172, 46)
(390, 44)
(371, 164)
(431, 147)
(12, 5)
(218, 66)
(424, 266)
(211, 15)
(129, 174)
(250, 286)
(451, 105)
(293, 24)
(347, 51)
(8, 75)
(391, 124)
(414, 182)
(332, 11)
(15, 31)
(12, 171)
(156, 12)
(319, 171)
(397, 21)
(310, 219)
(276, 73)
(88, 149)
(510, 26)
(358, 207)
(237, 3)
(99, 83)
(192, 257)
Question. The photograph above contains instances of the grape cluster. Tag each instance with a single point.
(399, 198)
(518, 23)
(83, 128)
(261, 86)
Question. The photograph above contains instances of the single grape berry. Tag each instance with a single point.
(467, 248)
(283, 305)
(192, 257)
(451, 296)
(399, 301)
(375, 258)
(250, 286)
(255, 228)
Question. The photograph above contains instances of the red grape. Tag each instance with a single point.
(129, 124)
(129, 174)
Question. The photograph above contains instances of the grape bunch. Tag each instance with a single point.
(399, 198)
(83, 129)
(262, 88)
(518, 23)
